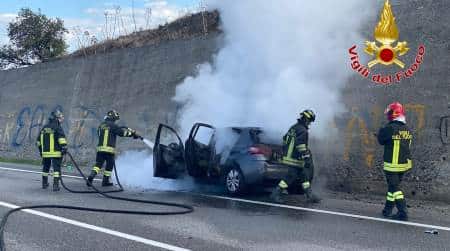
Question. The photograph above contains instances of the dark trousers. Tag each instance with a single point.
(394, 180)
(304, 175)
(395, 195)
(102, 158)
(48, 162)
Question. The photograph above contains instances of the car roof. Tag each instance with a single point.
(245, 128)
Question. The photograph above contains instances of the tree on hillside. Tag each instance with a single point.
(34, 38)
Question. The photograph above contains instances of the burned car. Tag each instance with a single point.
(235, 157)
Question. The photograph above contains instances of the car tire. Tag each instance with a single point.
(234, 181)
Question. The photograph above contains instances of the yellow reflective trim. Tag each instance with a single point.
(107, 173)
(307, 115)
(105, 138)
(42, 142)
(397, 167)
(283, 184)
(44, 174)
(291, 147)
(290, 161)
(107, 149)
(390, 198)
(96, 169)
(398, 195)
(62, 141)
(51, 154)
(301, 147)
(306, 185)
(56, 174)
(52, 142)
(396, 151)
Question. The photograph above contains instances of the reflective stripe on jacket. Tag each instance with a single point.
(51, 140)
(107, 136)
(396, 138)
(295, 145)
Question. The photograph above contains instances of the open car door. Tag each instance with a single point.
(168, 154)
(200, 150)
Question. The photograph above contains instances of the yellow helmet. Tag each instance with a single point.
(113, 115)
(308, 115)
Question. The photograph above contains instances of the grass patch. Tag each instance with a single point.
(21, 161)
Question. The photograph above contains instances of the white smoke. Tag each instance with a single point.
(279, 58)
(135, 170)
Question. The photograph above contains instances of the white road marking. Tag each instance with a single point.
(29, 171)
(329, 212)
(409, 223)
(96, 228)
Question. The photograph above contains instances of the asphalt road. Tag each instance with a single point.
(340, 222)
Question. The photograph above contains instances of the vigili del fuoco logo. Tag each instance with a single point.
(384, 53)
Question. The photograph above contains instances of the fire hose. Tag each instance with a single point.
(185, 209)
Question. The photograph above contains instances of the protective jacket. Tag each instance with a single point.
(295, 145)
(51, 140)
(396, 138)
(107, 135)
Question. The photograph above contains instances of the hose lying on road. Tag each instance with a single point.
(185, 208)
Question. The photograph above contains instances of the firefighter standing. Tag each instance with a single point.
(297, 156)
(107, 135)
(396, 139)
(52, 145)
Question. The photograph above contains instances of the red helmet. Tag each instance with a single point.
(394, 111)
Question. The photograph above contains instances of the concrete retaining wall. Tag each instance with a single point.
(140, 82)
(137, 82)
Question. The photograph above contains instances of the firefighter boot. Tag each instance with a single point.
(106, 182)
(310, 197)
(90, 178)
(277, 194)
(44, 182)
(387, 210)
(402, 213)
(56, 184)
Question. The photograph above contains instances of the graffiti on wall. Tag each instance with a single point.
(28, 123)
(83, 130)
(444, 129)
(20, 129)
(362, 126)
(6, 130)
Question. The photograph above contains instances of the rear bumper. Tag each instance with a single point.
(259, 171)
(274, 171)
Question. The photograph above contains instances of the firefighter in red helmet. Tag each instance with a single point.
(396, 139)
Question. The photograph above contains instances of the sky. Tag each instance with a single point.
(86, 19)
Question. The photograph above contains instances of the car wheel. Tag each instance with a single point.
(234, 181)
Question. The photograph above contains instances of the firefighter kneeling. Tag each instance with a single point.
(107, 135)
(52, 145)
(297, 156)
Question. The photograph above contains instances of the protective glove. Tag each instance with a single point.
(63, 150)
(137, 136)
(306, 157)
(131, 132)
(40, 150)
